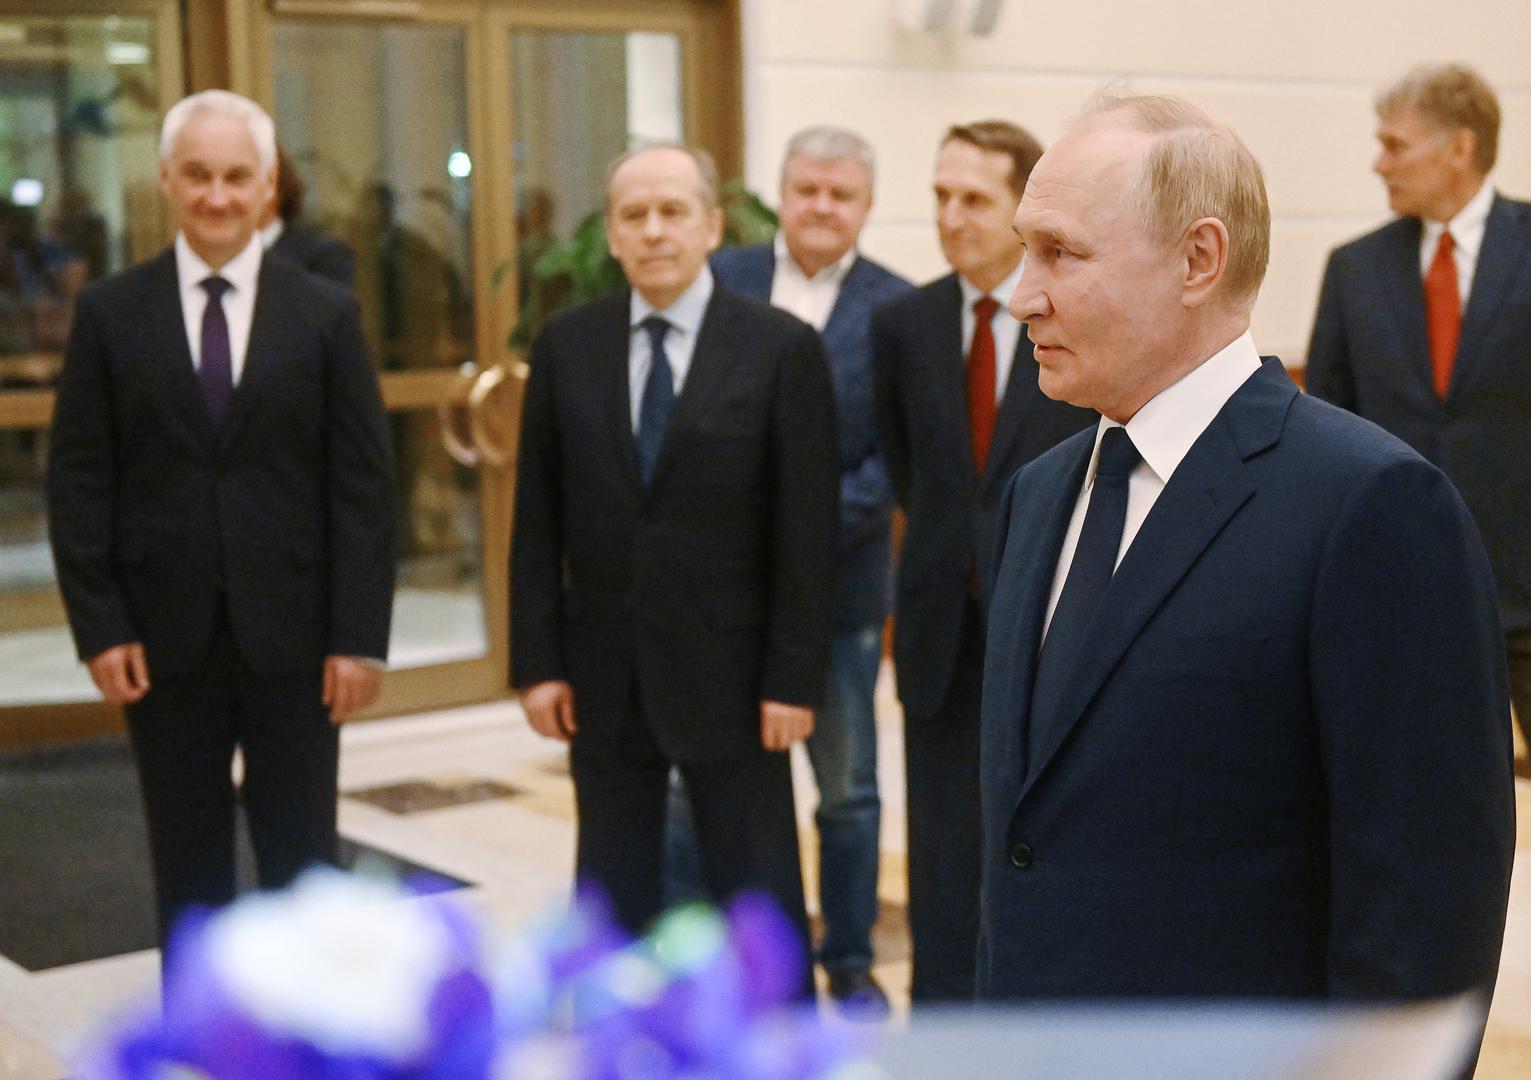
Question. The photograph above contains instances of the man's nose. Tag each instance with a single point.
(1029, 300)
(653, 225)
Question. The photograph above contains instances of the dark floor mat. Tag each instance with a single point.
(74, 856)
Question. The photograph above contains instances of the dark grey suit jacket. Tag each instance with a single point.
(921, 387)
(1370, 354)
(288, 509)
(709, 592)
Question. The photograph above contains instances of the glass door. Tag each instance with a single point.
(82, 89)
(377, 118)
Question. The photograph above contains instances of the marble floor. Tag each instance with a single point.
(475, 794)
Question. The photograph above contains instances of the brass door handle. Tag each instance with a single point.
(495, 451)
(462, 450)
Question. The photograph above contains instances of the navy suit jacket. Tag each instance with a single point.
(866, 497)
(708, 592)
(1370, 354)
(287, 510)
(921, 387)
(1286, 768)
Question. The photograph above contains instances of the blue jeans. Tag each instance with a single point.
(843, 750)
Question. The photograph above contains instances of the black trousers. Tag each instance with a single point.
(183, 734)
(745, 825)
(944, 820)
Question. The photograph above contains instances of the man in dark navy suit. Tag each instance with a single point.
(674, 548)
(1424, 326)
(222, 516)
(284, 234)
(960, 411)
(1244, 713)
(815, 271)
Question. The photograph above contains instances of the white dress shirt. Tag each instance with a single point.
(272, 232)
(1163, 431)
(811, 299)
(1467, 230)
(242, 272)
(1007, 332)
(685, 319)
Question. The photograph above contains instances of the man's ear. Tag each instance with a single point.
(1205, 247)
(1464, 149)
(715, 229)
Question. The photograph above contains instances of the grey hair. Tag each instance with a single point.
(826, 143)
(1448, 97)
(225, 103)
(1197, 168)
(706, 168)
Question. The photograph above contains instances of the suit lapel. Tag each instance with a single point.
(1501, 260)
(1038, 538)
(1204, 493)
(717, 347)
(171, 351)
(1404, 294)
(1020, 398)
(260, 351)
(848, 303)
(611, 344)
(949, 366)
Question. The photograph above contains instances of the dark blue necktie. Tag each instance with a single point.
(1089, 574)
(217, 361)
(658, 397)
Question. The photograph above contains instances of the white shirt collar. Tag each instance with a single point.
(1001, 292)
(1165, 429)
(833, 274)
(272, 232)
(685, 313)
(240, 272)
(1467, 227)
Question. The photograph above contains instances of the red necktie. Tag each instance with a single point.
(1443, 313)
(981, 379)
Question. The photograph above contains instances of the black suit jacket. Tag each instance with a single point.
(1370, 353)
(1284, 768)
(317, 252)
(288, 508)
(921, 390)
(712, 590)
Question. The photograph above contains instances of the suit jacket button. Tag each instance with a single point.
(1020, 855)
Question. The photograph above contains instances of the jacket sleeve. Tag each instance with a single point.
(804, 524)
(1329, 373)
(82, 490)
(536, 552)
(1410, 699)
(362, 505)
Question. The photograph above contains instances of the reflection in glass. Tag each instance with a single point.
(615, 90)
(79, 130)
(375, 117)
(79, 148)
(375, 120)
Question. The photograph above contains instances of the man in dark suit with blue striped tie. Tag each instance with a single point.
(673, 555)
(1424, 326)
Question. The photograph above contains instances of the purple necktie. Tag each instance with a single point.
(217, 362)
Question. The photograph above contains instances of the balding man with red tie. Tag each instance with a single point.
(1424, 326)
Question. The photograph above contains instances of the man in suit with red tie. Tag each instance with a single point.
(959, 411)
(1424, 326)
(221, 509)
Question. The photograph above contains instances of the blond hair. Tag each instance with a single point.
(1449, 97)
(1197, 168)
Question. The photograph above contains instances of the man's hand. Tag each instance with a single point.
(781, 725)
(121, 674)
(550, 708)
(350, 683)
